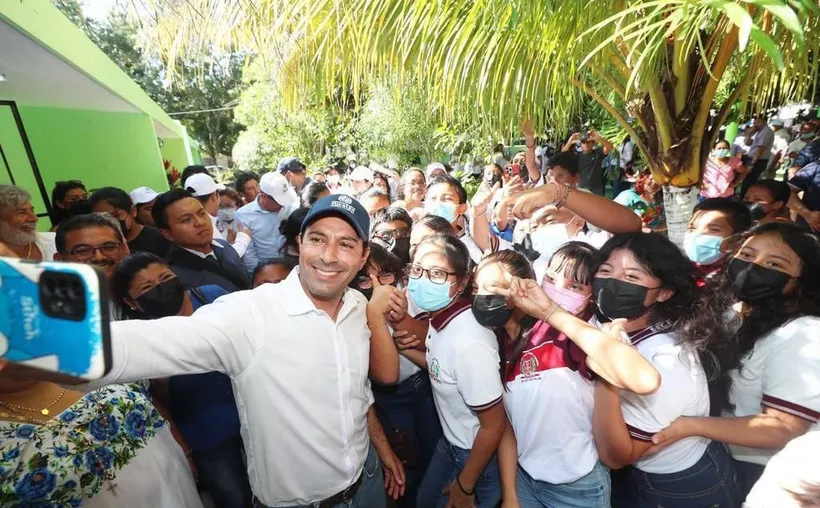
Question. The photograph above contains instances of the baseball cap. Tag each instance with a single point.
(201, 184)
(142, 195)
(274, 185)
(361, 173)
(776, 122)
(290, 164)
(344, 207)
(434, 166)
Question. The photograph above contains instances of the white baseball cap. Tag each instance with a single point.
(276, 186)
(361, 174)
(776, 122)
(433, 166)
(142, 195)
(202, 185)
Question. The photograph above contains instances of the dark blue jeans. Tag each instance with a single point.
(712, 482)
(222, 472)
(409, 406)
(446, 464)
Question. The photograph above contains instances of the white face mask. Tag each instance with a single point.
(548, 239)
(333, 179)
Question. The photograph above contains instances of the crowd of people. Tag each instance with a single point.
(358, 338)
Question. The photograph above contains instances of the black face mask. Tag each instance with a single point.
(164, 299)
(752, 283)
(618, 299)
(491, 310)
(368, 293)
(401, 248)
(80, 207)
(756, 210)
(123, 227)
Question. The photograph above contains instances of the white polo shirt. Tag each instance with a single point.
(463, 362)
(549, 404)
(782, 372)
(299, 379)
(683, 392)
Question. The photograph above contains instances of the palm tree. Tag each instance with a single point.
(654, 65)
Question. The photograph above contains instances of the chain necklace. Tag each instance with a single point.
(30, 246)
(45, 411)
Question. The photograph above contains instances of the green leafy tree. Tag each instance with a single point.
(657, 62)
(209, 87)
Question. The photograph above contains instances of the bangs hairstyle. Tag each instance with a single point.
(663, 260)
(438, 224)
(738, 216)
(456, 253)
(576, 261)
(384, 260)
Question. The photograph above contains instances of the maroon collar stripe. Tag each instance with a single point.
(448, 314)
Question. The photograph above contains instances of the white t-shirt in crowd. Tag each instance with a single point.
(45, 242)
(683, 392)
(462, 359)
(300, 380)
(788, 474)
(241, 242)
(782, 372)
(549, 404)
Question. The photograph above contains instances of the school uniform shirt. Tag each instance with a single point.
(549, 401)
(683, 392)
(782, 372)
(789, 475)
(462, 359)
(299, 380)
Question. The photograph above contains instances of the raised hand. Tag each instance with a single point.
(379, 305)
(482, 198)
(514, 187)
(527, 295)
(526, 129)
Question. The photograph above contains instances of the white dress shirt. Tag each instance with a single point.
(300, 381)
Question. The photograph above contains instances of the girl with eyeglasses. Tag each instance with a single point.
(406, 409)
(462, 360)
(644, 282)
(769, 348)
(550, 358)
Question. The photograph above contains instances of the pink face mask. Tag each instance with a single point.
(570, 301)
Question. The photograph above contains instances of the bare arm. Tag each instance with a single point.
(571, 141)
(492, 422)
(607, 146)
(615, 447)
(771, 429)
(508, 465)
(384, 358)
(603, 212)
(417, 327)
(479, 223)
(617, 363)
(416, 356)
(529, 138)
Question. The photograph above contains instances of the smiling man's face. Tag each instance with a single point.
(331, 254)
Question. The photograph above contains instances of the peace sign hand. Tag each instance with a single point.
(527, 295)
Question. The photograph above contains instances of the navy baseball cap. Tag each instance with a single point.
(290, 164)
(344, 207)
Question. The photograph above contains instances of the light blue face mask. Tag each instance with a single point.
(429, 296)
(445, 210)
(702, 249)
(721, 153)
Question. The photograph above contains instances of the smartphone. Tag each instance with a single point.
(54, 318)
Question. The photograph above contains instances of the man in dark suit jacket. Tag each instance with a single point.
(195, 256)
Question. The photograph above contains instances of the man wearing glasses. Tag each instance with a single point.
(93, 239)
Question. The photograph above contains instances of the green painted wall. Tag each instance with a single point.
(100, 148)
(18, 162)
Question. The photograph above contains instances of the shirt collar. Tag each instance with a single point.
(214, 243)
(297, 302)
(641, 335)
(447, 315)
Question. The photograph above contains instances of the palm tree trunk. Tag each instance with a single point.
(678, 203)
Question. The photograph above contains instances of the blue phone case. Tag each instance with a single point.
(28, 335)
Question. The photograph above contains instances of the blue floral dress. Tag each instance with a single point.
(110, 448)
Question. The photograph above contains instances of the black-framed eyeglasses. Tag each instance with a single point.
(86, 252)
(389, 234)
(435, 275)
(385, 279)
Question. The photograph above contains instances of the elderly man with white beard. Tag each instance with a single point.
(18, 226)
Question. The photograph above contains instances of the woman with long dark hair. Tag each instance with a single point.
(769, 349)
(645, 282)
(551, 355)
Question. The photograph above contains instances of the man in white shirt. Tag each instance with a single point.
(263, 216)
(298, 354)
(18, 226)
(782, 138)
(206, 190)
